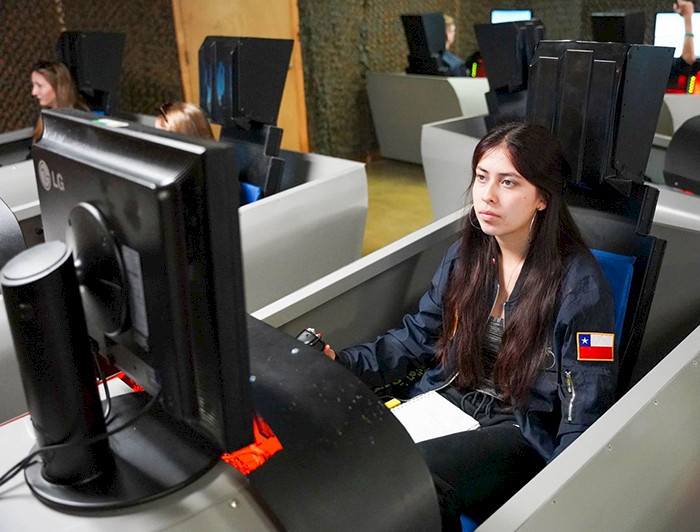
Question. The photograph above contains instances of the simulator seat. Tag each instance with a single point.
(607, 135)
(11, 239)
(631, 260)
(682, 157)
(619, 271)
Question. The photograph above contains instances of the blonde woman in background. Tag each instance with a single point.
(53, 87)
(454, 64)
(183, 117)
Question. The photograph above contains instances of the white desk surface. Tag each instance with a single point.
(220, 500)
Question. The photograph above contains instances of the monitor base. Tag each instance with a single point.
(153, 457)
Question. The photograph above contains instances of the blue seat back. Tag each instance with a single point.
(618, 270)
(249, 193)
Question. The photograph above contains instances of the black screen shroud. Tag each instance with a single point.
(94, 59)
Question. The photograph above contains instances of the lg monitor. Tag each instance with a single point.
(510, 15)
(151, 218)
(619, 26)
(669, 30)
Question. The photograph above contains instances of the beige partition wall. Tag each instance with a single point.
(277, 19)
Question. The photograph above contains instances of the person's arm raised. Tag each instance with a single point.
(686, 8)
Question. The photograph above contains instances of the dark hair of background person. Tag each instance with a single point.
(538, 157)
(183, 117)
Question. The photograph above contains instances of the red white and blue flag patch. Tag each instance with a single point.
(595, 346)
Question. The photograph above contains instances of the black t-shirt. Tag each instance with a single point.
(679, 68)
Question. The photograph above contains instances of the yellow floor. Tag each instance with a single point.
(398, 202)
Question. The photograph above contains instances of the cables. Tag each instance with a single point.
(105, 386)
(30, 458)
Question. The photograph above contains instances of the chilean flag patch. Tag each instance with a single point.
(595, 346)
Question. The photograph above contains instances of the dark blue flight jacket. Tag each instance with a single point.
(568, 395)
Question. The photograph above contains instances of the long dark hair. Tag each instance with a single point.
(537, 156)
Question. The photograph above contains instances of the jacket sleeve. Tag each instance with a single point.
(414, 343)
(586, 383)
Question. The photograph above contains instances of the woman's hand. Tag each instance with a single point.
(329, 352)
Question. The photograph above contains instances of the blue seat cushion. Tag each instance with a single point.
(618, 270)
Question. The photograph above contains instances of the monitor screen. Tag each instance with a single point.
(669, 30)
(510, 15)
(618, 26)
(152, 221)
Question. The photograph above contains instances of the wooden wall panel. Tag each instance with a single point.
(245, 18)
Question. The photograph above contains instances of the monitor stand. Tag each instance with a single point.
(152, 457)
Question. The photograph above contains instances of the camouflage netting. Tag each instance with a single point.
(28, 32)
(150, 68)
(344, 40)
(341, 42)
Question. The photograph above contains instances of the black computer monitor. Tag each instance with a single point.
(425, 37)
(510, 15)
(618, 26)
(507, 50)
(669, 30)
(94, 59)
(425, 33)
(152, 220)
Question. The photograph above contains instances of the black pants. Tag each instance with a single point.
(476, 471)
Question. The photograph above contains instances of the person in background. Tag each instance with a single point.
(686, 8)
(53, 87)
(450, 31)
(183, 117)
(682, 67)
(506, 329)
(454, 64)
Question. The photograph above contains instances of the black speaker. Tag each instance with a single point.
(48, 328)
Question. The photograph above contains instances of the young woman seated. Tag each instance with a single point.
(504, 330)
